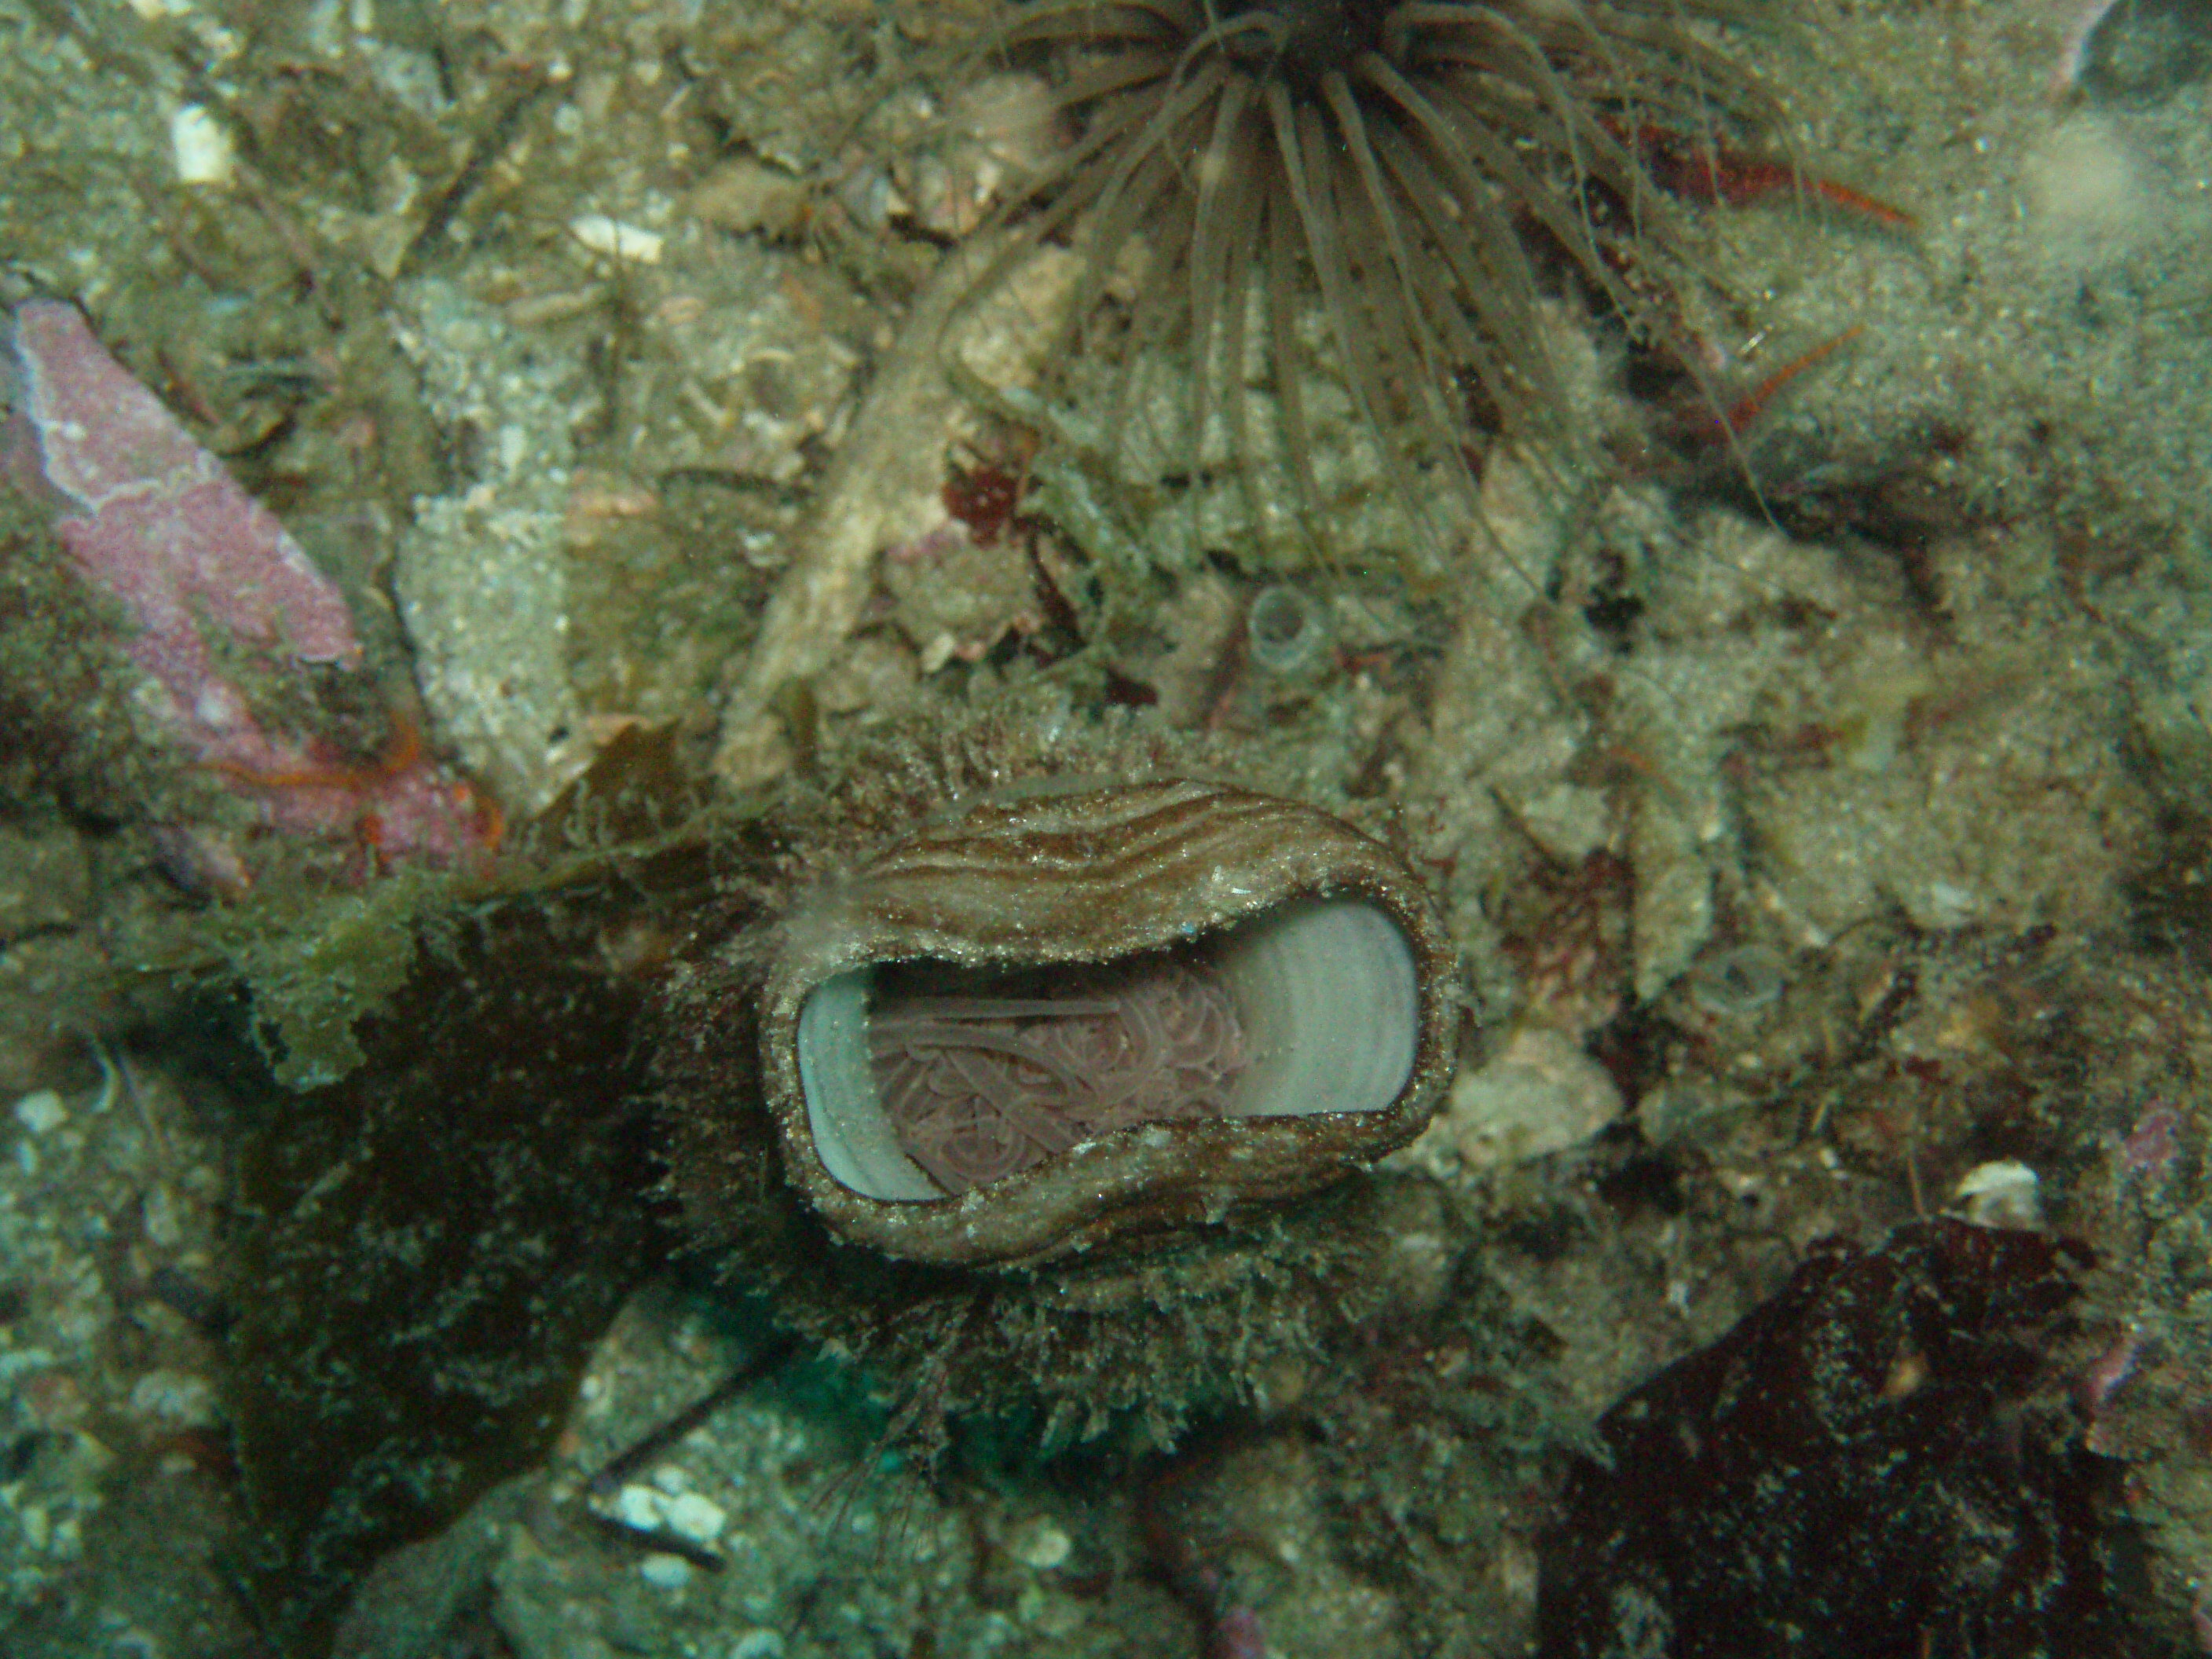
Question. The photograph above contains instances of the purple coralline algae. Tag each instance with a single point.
(150, 518)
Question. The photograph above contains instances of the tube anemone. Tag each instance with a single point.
(1414, 173)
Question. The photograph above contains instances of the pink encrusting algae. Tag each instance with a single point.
(150, 518)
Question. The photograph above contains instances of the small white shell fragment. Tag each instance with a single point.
(41, 1110)
(202, 150)
(697, 1518)
(2003, 1194)
(617, 241)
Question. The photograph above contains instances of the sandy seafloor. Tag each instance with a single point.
(1816, 869)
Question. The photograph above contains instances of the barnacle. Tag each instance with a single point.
(1369, 194)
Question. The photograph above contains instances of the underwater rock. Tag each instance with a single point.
(209, 578)
(1881, 1461)
(482, 572)
(153, 517)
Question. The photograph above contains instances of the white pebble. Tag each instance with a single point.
(165, 1220)
(616, 240)
(41, 1110)
(1949, 905)
(2003, 1193)
(1039, 1543)
(204, 154)
(639, 1507)
(758, 1643)
(1539, 1094)
(697, 1518)
(665, 1572)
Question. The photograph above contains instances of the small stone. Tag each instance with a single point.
(1946, 905)
(668, 1572)
(758, 1643)
(697, 1518)
(617, 241)
(1039, 1543)
(1280, 1385)
(639, 1507)
(175, 1397)
(1540, 1094)
(2005, 1193)
(40, 1111)
(51, 1399)
(201, 148)
(743, 195)
(165, 1218)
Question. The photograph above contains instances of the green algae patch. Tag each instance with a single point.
(314, 983)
